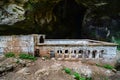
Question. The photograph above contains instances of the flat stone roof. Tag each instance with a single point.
(75, 42)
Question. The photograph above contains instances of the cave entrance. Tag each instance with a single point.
(69, 18)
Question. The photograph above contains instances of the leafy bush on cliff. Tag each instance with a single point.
(26, 56)
(67, 70)
(9, 54)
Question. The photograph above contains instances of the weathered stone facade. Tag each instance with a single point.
(17, 44)
(77, 49)
(62, 49)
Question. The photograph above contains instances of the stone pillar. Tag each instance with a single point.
(87, 53)
(90, 55)
(83, 55)
(97, 54)
(76, 54)
(59, 53)
(100, 55)
(63, 53)
(70, 53)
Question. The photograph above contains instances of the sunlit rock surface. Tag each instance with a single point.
(11, 14)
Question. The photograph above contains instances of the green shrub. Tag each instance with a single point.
(26, 56)
(98, 65)
(89, 78)
(107, 66)
(77, 76)
(9, 54)
(82, 78)
(117, 41)
(17, 61)
(67, 70)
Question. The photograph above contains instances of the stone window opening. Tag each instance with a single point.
(41, 39)
(80, 53)
(75, 51)
(66, 54)
(94, 53)
(66, 51)
(73, 54)
(87, 53)
(102, 52)
(59, 51)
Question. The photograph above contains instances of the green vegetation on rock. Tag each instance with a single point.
(107, 66)
(76, 75)
(9, 54)
(27, 56)
(67, 70)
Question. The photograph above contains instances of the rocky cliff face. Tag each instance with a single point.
(61, 18)
(11, 12)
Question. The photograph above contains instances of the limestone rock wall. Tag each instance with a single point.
(11, 14)
(11, 11)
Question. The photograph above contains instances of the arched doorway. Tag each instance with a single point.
(41, 39)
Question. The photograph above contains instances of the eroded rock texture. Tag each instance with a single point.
(12, 13)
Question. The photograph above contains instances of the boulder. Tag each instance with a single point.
(115, 76)
(2, 69)
(47, 70)
(43, 58)
(9, 67)
(42, 72)
(6, 68)
(24, 71)
(84, 71)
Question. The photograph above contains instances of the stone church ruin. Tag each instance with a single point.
(61, 49)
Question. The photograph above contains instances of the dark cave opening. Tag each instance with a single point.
(69, 16)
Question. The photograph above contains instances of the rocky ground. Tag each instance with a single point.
(17, 69)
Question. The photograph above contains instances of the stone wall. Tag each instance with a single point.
(17, 44)
(79, 52)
